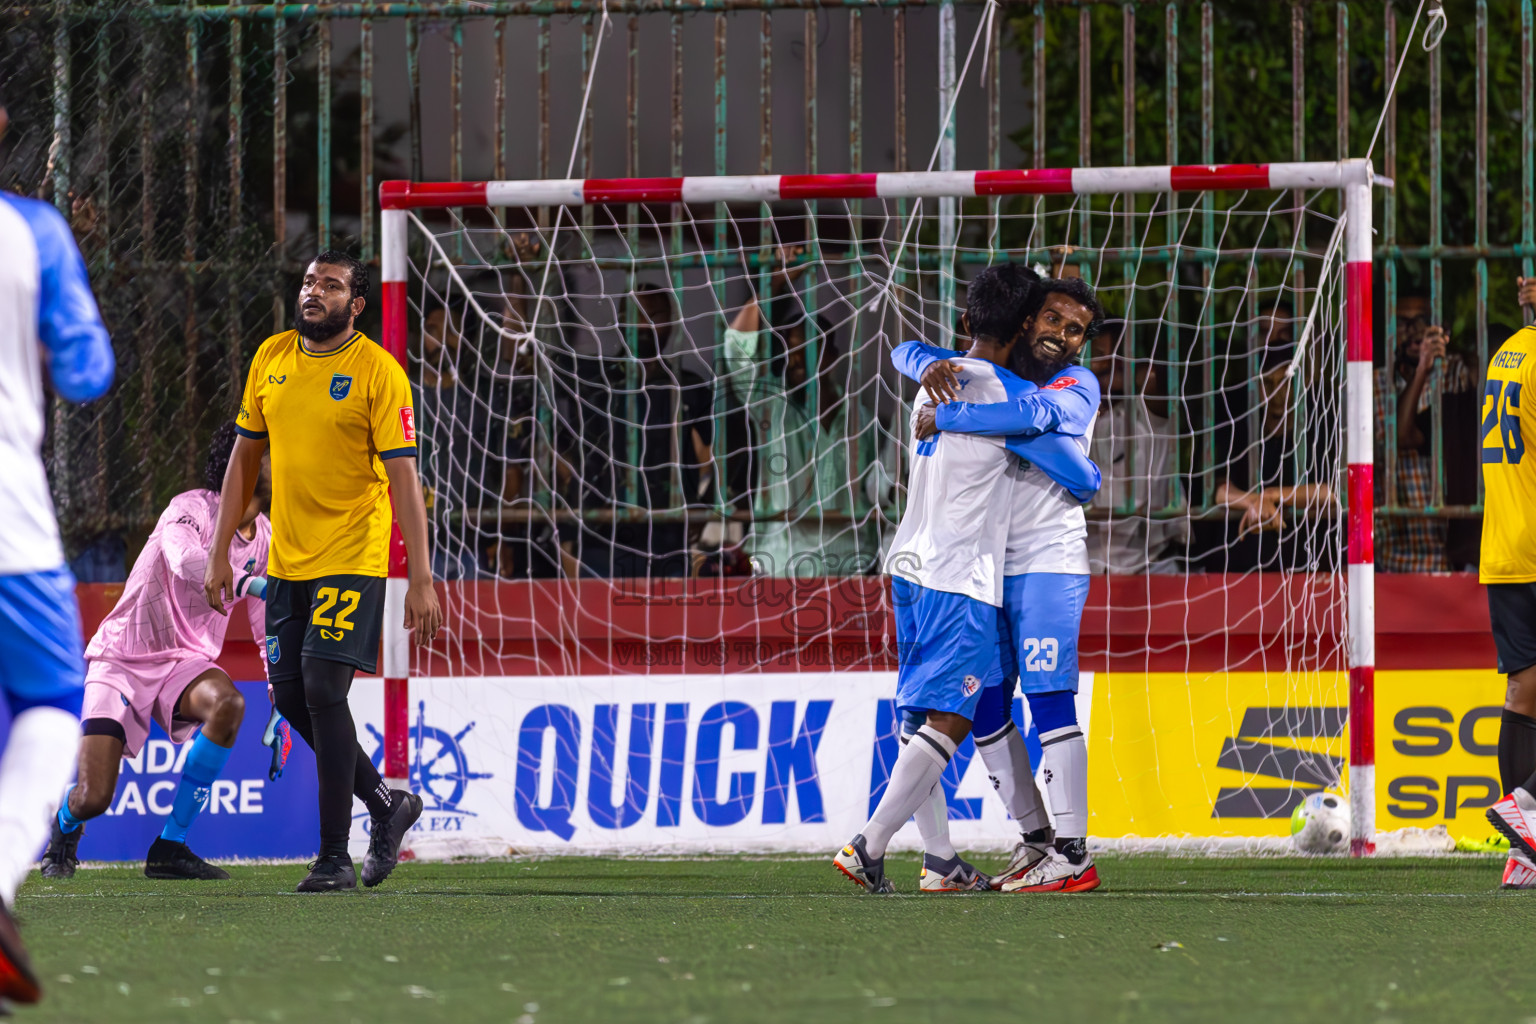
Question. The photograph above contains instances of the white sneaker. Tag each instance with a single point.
(1519, 871)
(1055, 873)
(1515, 818)
(1025, 856)
(953, 875)
(867, 872)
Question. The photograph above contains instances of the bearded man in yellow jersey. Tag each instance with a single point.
(1508, 568)
(336, 411)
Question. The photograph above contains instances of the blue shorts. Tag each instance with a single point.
(1042, 612)
(949, 649)
(42, 661)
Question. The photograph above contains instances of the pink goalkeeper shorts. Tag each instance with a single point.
(133, 694)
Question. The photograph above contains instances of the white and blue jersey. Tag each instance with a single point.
(1046, 556)
(47, 313)
(946, 560)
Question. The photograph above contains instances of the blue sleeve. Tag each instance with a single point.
(1067, 405)
(1060, 458)
(911, 358)
(80, 360)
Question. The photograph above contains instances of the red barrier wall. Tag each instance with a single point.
(1152, 623)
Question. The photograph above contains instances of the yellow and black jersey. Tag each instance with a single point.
(1509, 470)
(331, 419)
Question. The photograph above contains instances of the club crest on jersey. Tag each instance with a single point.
(972, 684)
(340, 385)
(272, 652)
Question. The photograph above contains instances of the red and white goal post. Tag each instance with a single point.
(741, 215)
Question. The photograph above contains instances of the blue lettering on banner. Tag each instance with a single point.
(706, 764)
(556, 817)
(674, 752)
(792, 755)
(637, 782)
(246, 816)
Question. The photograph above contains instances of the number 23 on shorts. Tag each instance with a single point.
(340, 622)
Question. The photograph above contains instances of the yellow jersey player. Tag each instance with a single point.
(336, 411)
(1508, 568)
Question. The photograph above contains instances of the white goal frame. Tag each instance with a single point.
(1353, 177)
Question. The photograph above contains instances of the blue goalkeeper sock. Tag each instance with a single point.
(68, 822)
(205, 761)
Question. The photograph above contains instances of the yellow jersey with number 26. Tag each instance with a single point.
(331, 419)
(1509, 469)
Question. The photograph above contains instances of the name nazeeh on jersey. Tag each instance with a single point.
(331, 419)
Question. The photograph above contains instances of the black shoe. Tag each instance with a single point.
(386, 835)
(169, 859)
(17, 982)
(63, 853)
(329, 873)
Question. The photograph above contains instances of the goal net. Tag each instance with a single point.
(664, 451)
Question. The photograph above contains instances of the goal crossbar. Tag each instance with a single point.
(768, 188)
(1353, 177)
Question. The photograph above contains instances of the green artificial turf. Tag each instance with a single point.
(725, 940)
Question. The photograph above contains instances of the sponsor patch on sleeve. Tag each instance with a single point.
(408, 422)
(1061, 383)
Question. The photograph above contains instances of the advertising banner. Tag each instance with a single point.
(796, 761)
(247, 815)
(778, 761)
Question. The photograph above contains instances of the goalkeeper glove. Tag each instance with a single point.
(280, 738)
(252, 585)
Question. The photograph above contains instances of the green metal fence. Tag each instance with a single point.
(203, 152)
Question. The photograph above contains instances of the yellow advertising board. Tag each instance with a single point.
(1231, 754)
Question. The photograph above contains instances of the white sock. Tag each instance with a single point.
(39, 757)
(1007, 762)
(1064, 764)
(913, 776)
(933, 821)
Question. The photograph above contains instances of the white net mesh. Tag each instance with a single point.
(664, 445)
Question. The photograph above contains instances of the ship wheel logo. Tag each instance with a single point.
(439, 771)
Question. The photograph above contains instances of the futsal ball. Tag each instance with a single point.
(1320, 824)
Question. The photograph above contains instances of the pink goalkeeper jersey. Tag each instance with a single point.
(163, 613)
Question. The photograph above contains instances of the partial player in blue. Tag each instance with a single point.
(1046, 571)
(1046, 532)
(945, 564)
(47, 317)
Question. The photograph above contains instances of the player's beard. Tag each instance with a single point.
(319, 330)
(1032, 367)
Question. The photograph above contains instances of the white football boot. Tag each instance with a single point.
(1026, 855)
(867, 872)
(953, 875)
(1515, 818)
(1055, 872)
(1519, 871)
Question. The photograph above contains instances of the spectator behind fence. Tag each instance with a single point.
(1419, 370)
(527, 542)
(1133, 447)
(1273, 476)
(807, 443)
(442, 407)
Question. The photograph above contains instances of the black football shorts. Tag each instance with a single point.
(1512, 611)
(337, 618)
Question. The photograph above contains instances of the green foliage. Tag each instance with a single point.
(1256, 100)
